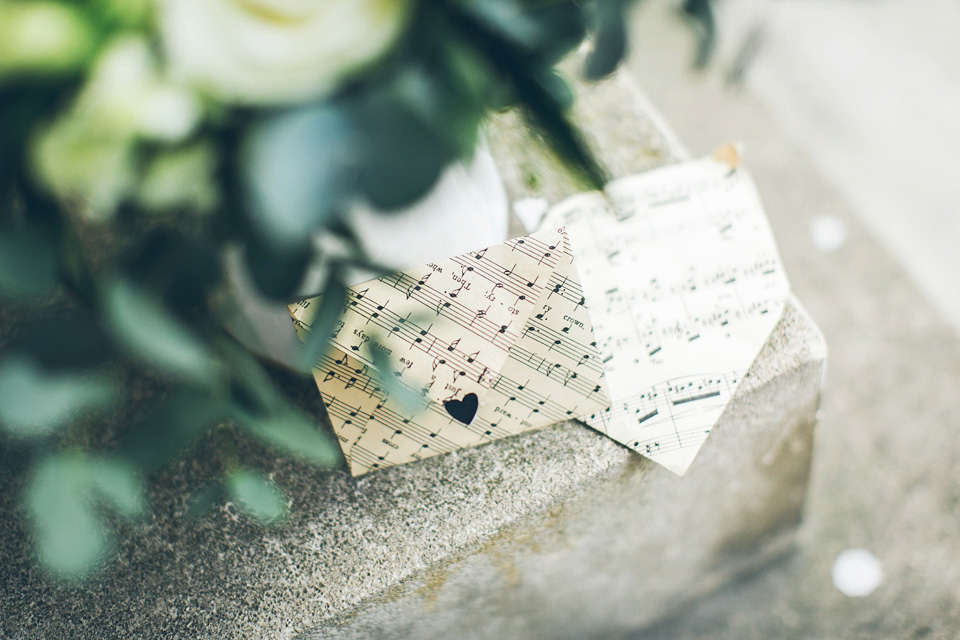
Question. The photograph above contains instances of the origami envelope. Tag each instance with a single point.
(683, 282)
(489, 344)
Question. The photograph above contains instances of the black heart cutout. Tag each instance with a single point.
(463, 410)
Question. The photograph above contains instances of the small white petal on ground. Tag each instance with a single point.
(828, 233)
(857, 573)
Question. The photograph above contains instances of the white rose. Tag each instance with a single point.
(275, 51)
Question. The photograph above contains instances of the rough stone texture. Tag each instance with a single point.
(636, 543)
(560, 532)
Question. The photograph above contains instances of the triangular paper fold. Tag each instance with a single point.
(491, 343)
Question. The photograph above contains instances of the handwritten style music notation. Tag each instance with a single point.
(681, 275)
(506, 324)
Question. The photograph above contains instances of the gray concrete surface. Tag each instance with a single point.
(513, 537)
(630, 548)
(870, 90)
(886, 473)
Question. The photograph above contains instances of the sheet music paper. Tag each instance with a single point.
(684, 285)
(499, 337)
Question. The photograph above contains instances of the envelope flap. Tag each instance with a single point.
(445, 329)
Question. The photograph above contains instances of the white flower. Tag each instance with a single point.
(276, 51)
(44, 37)
(181, 178)
(87, 155)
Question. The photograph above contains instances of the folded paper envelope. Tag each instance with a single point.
(489, 343)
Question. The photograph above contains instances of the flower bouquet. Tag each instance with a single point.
(144, 141)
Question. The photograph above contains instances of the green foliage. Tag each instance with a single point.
(256, 495)
(328, 313)
(35, 404)
(62, 497)
(293, 433)
(123, 185)
(152, 334)
(28, 263)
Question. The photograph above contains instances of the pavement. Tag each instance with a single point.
(886, 473)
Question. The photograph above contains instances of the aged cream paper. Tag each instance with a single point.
(491, 343)
(684, 285)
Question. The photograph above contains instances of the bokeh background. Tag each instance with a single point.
(848, 113)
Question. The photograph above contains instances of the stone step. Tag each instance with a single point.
(556, 533)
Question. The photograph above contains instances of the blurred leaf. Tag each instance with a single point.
(557, 87)
(69, 537)
(65, 340)
(205, 499)
(156, 337)
(124, 13)
(701, 13)
(609, 40)
(28, 263)
(171, 427)
(119, 484)
(252, 388)
(34, 404)
(256, 495)
(298, 167)
(402, 156)
(292, 432)
(534, 86)
(61, 498)
(181, 270)
(408, 399)
(329, 310)
(278, 270)
(446, 103)
(560, 27)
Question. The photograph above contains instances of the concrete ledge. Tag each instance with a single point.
(550, 534)
(633, 542)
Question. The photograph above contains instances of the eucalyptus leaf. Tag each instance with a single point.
(172, 427)
(533, 86)
(449, 105)
(256, 495)
(292, 432)
(701, 13)
(329, 310)
(609, 40)
(119, 484)
(297, 166)
(34, 403)
(28, 264)
(252, 388)
(402, 156)
(181, 270)
(61, 498)
(155, 336)
(65, 340)
(398, 392)
(68, 535)
(277, 270)
(560, 27)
